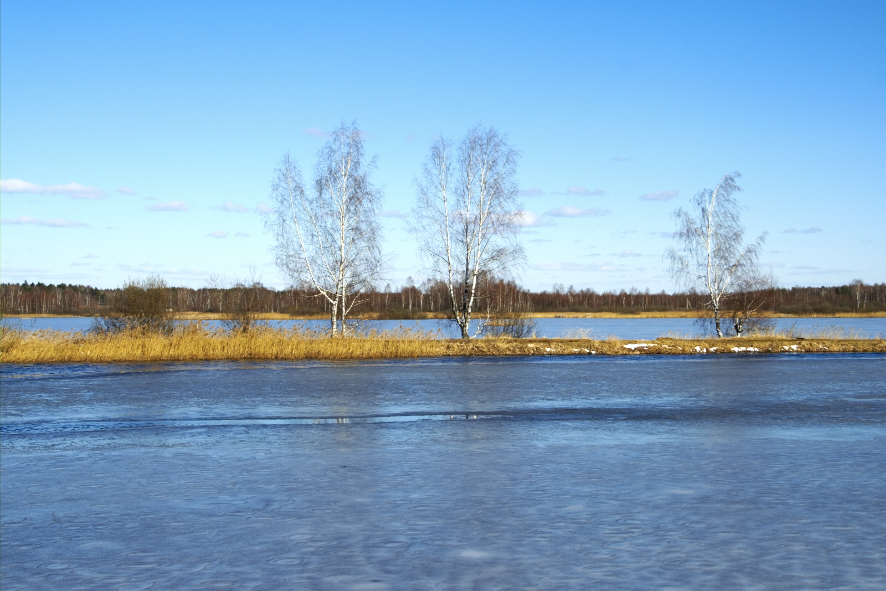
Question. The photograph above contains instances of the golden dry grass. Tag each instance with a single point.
(194, 343)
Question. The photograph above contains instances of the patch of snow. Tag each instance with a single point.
(635, 346)
(742, 349)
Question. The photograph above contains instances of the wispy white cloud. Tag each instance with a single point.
(126, 191)
(584, 191)
(812, 230)
(218, 234)
(567, 266)
(317, 132)
(232, 207)
(75, 190)
(394, 213)
(19, 270)
(53, 223)
(668, 235)
(629, 253)
(90, 256)
(809, 269)
(263, 208)
(567, 211)
(161, 269)
(659, 195)
(241, 235)
(530, 219)
(531, 192)
(168, 206)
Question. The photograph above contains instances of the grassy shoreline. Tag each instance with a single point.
(197, 344)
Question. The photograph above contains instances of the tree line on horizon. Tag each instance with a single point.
(504, 297)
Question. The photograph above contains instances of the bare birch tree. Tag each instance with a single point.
(711, 255)
(328, 236)
(466, 217)
(857, 286)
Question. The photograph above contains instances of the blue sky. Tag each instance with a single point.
(140, 137)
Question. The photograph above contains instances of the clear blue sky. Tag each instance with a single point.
(142, 137)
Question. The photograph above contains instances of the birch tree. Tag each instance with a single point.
(327, 235)
(711, 255)
(466, 217)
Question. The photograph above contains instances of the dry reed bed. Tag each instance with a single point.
(197, 344)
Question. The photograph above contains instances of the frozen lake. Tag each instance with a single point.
(627, 473)
(596, 328)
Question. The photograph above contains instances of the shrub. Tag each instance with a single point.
(243, 304)
(139, 305)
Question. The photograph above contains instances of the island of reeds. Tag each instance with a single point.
(193, 342)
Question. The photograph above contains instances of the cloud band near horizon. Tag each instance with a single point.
(73, 190)
(53, 223)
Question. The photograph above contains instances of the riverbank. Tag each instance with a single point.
(197, 344)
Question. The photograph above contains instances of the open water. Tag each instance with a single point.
(717, 472)
(596, 328)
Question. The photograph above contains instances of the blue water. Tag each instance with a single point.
(726, 472)
(597, 328)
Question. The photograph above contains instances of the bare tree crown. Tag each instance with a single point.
(711, 254)
(330, 237)
(466, 217)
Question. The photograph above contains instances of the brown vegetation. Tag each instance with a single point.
(140, 305)
(194, 343)
(430, 300)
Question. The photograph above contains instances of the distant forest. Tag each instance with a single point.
(502, 297)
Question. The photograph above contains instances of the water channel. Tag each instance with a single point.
(596, 328)
(758, 471)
